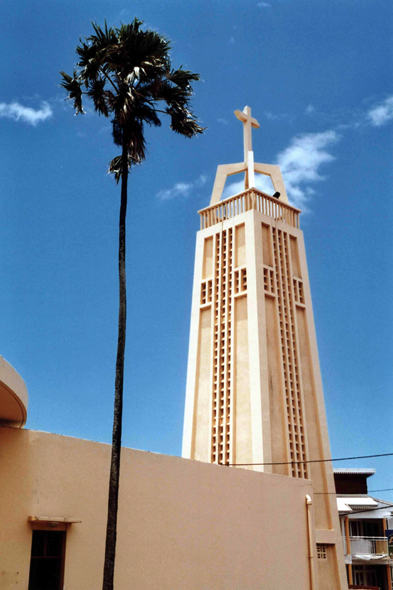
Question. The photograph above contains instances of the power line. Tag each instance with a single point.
(343, 495)
(310, 461)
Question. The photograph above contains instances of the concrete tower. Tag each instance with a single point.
(254, 392)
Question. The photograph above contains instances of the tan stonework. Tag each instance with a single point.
(254, 391)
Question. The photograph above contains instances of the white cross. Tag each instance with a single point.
(248, 123)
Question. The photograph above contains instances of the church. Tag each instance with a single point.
(251, 503)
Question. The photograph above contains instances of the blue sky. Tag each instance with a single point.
(318, 76)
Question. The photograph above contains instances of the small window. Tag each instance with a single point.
(321, 551)
(47, 560)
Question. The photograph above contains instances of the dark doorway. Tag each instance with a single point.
(47, 560)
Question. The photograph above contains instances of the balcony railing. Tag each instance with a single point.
(249, 199)
(369, 546)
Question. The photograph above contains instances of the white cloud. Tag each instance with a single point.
(18, 112)
(223, 121)
(381, 114)
(270, 116)
(263, 5)
(181, 189)
(281, 117)
(300, 163)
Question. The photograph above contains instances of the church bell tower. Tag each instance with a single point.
(254, 394)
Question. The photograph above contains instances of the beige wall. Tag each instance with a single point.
(183, 524)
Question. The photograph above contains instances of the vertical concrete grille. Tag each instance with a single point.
(203, 293)
(222, 370)
(298, 290)
(240, 280)
(268, 280)
(289, 353)
(206, 292)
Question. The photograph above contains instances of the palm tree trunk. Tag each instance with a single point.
(110, 546)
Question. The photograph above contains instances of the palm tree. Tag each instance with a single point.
(127, 73)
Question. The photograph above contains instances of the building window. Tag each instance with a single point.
(321, 551)
(365, 528)
(365, 575)
(47, 560)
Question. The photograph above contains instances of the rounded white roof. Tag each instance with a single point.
(13, 396)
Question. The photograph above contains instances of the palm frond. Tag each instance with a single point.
(100, 97)
(184, 122)
(127, 72)
(134, 139)
(116, 167)
(102, 38)
(182, 78)
(73, 85)
(149, 115)
(174, 95)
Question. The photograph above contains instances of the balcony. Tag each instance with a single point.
(245, 201)
(372, 548)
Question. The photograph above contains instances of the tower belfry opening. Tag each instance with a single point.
(249, 166)
(254, 392)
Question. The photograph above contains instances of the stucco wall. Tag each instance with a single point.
(183, 525)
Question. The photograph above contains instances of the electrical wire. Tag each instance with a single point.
(325, 461)
(338, 494)
(310, 461)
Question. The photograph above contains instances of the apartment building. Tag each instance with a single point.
(364, 521)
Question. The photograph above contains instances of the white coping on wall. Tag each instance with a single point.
(13, 396)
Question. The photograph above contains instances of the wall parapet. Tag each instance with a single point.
(245, 201)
